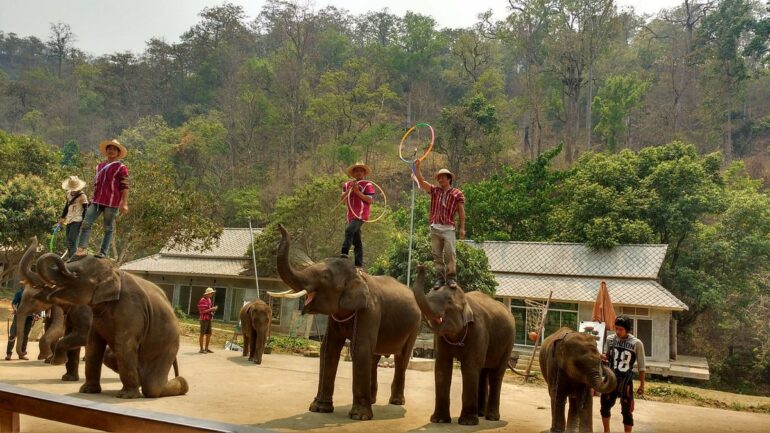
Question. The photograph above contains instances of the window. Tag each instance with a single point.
(635, 311)
(559, 314)
(643, 328)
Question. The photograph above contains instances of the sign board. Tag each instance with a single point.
(597, 330)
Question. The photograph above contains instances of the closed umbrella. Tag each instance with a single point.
(603, 311)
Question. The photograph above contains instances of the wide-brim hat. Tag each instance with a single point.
(359, 164)
(446, 172)
(113, 142)
(73, 183)
(209, 291)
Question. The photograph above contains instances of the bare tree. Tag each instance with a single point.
(60, 43)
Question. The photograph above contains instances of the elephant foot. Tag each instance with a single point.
(43, 356)
(90, 388)
(129, 393)
(258, 361)
(47, 360)
(468, 420)
(361, 412)
(321, 406)
(251, 359)
(69, 377)
(441, 418)
(398, 401)
(493, 416)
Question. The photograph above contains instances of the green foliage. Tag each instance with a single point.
(22, 154)
(71, 154)
(29, 206)
(290, 344)
(613, 105)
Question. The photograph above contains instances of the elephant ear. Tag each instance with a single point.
(467, 313)
(107, 290)
(356, 295)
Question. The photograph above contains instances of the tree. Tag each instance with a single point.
(71, 154)
(60, 44)
(22, 154)
(467, 131)
(615, 101)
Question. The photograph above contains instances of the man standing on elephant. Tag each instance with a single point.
(445, 201)
(206, 309)
(110, 196)
(623, 351)
(358, 195)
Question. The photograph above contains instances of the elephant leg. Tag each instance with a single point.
(482, 391)
(155, 381)
(558, 420)
(470, 410)
(399, 379)
(572, 415)
(495, 384)
(443, 377)
(94, 355)
(252, 344)
(111, 360)
(72, 364)
(261, 341)
(246, 338)
(373, 376)
(127, 356)
(330, 359)
(362, 375)
(586, 412)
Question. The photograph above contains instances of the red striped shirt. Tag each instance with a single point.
(443, 204)
(203, 305)
(110, 181)
(357, 208)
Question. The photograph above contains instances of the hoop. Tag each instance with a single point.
(56, 229)
(408, 133)
(385, 202)
(534, 314)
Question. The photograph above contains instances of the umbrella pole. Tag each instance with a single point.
(539, 336)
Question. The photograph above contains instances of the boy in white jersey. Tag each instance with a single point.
(623, 351)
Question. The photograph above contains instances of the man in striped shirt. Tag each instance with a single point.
(110, 196)
(445, 201)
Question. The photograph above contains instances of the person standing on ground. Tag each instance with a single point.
(110, 196)
(359, 205)
(445, 202)
(74, 210)
(623, 351)
(12, 330)
(206, 309)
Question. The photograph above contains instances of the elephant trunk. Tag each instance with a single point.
(289, 276)
(31, 277)
(52, 268)
(604, 380)
(422, 301)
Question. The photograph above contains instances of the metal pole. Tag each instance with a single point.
(254, 258)
(411, 233)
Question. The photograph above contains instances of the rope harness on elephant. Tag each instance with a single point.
(460, 343)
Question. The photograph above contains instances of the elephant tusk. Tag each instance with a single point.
(280, 294)
(289, 295)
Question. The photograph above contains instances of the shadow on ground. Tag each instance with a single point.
(313, 420)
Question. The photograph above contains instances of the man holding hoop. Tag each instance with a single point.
(445, 201)
(358, 193)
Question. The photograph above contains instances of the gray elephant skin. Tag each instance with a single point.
(571, 366)
(131, 315)
(479, 332)
(376, 313)
(256, 318)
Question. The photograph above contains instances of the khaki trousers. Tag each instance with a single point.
(444, 253)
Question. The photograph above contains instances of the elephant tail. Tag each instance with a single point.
(176, 368)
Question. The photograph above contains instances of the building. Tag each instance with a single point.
(184, 274)
(527, 271)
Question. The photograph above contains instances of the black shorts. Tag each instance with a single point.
(625, 391)
(205, 327)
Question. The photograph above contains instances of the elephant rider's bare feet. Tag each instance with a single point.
(321, 406)
(468, 420)
(361, 412)
(441, 418)
(88, 388)
(72, 378)
(129, 393)
(399, 401)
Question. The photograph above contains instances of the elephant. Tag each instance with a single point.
(376, 313)
(479, 332)
(71, 321)
(571, 366)
(134, 328)
(54, 328)
(256, 318)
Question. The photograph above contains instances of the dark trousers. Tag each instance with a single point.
(72, 232)
(353, 237)
(12, 336)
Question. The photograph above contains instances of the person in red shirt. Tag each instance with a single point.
(445, 201)
(110, 196)
(359, 206)
(206, 310)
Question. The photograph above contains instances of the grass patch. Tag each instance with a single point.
(680, 395)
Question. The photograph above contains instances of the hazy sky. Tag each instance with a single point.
(107, 26)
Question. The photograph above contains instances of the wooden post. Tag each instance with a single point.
(539, 336)
(9, 421)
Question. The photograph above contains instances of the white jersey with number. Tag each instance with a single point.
(623, 353)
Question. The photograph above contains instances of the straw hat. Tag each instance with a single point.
(73, 183)
(446, 172)
(113, 142)
(208, 291)
(359, 164)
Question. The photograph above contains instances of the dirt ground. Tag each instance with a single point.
(225, 387)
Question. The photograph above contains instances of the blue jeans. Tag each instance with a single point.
(109, 225)
(72, 232)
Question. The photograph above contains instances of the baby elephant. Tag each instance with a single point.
(479, 332)
(256, 317)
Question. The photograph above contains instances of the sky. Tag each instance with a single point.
(108, 26)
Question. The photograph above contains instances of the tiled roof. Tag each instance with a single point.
(233, 243)
(176, 265)
(623, 261)
(644, 293)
